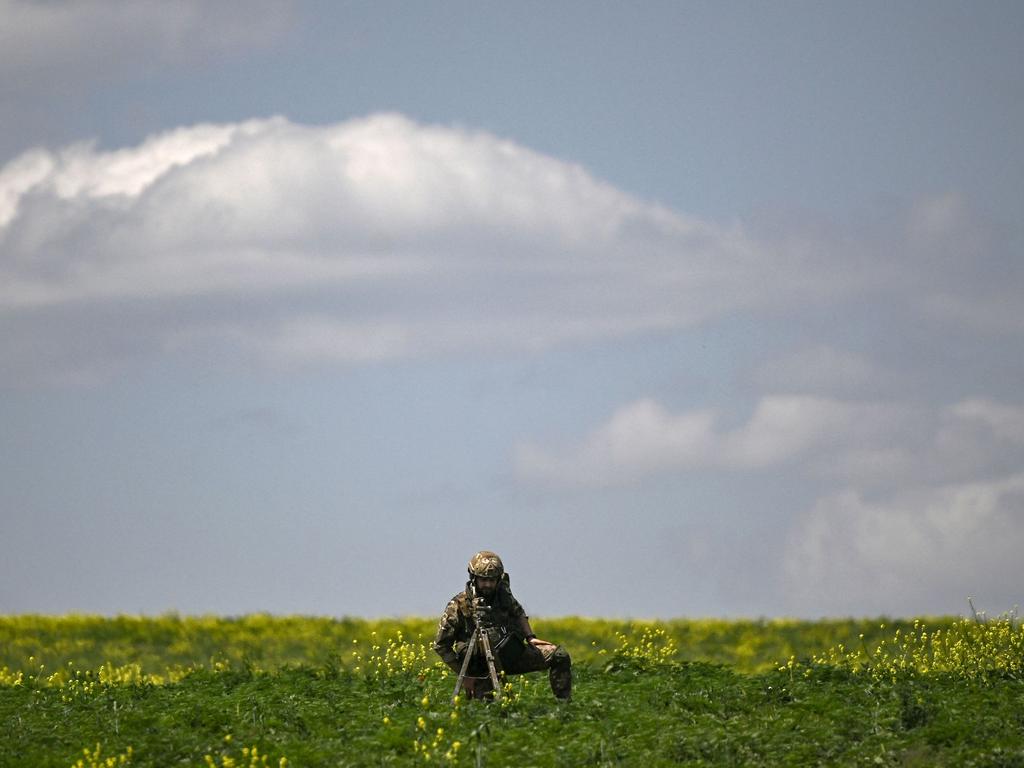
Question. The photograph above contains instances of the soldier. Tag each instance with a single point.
(516, 649)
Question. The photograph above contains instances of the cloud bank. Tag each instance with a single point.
(901, 550)
(372, 239)
(381, 238)
(925, 501)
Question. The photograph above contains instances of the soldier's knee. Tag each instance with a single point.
(560, 658)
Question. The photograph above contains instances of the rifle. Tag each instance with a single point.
(481, 638)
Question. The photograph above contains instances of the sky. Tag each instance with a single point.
(686, 309)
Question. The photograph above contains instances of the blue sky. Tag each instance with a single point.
(693, 309)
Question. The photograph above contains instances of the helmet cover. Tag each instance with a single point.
(486, 565)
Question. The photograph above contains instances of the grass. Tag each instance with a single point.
(314, 692)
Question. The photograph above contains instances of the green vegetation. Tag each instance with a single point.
(262, 691)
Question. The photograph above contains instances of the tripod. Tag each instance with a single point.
(482, 639)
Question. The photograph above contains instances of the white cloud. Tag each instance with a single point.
(447, 239)
(644, 438)
(640, 438)
(80, 172)
(925, 545)
(874, 447)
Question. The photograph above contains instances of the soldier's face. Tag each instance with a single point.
(486, 586)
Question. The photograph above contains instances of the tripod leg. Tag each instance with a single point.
(485, 641)
(470, 648)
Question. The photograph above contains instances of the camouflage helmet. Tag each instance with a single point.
(486, 565)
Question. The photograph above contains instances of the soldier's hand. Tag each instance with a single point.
(536, 642)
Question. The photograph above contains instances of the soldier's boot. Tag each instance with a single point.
(560, 674)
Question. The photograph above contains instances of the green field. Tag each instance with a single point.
(265, 691)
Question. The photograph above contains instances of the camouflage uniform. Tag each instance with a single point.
(513, 654)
